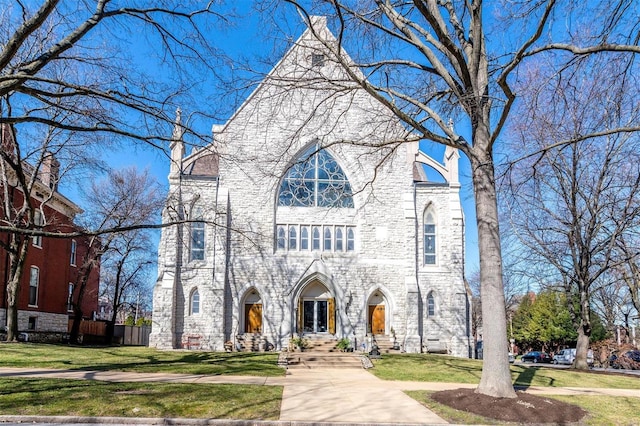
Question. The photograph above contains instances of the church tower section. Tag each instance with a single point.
(310, 214)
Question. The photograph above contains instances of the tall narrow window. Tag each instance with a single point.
(196, 249)
(429, 239)
(74, 249)
(38, 221)
(282, 241)
(316, 238)
(34, 279)
(351, 239)
(70, 298)
(304, 238)
(339, 245)
(194, 303)
(431, 305)
(327, 238)
(293, 238)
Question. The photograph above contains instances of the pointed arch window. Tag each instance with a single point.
(316, 238)
(293, 238)
(194, 302)
(327, 238)
(196, 247)
(304, 238)
(429, 239)
(315, 180)
(282, 242)
(351, 239)
(339, 239)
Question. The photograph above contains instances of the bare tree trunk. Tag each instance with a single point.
(496, 376)
(584, 333)
(17, 256)
(83, 278)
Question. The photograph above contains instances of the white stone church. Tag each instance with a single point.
(311, 214)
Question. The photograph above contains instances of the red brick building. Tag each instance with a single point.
(52, 264)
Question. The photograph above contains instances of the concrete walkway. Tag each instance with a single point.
(348, 395)
(319, 395)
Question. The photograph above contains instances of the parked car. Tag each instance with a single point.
(512, 358)
(630, 360)
(567, 356)
(536, 356)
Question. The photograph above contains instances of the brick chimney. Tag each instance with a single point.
(50, 171)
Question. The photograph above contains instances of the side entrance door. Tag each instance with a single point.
(253, 318)
(376, 319)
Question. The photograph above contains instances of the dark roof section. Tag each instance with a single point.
(419, 174)
(207, 165)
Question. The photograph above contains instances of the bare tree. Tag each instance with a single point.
(71, 89)
(628, 270)
(572, 203)
(121, 204)
(428, 61)
(127, 264)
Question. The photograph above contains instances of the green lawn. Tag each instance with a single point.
(138, 359)
(441, 368)
(51, 397)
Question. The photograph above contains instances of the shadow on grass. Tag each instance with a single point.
(141, 359)
(526, 376)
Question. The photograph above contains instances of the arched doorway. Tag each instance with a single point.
(316, 310)
(253, 312)
(376, 313)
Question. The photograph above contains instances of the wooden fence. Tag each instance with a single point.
(93, 328)
(95, 331)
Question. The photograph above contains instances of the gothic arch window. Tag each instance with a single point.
(293, 238)
(316, 238)
(431, 305)
(429, 238)
(315, 180)
(196, 235)
(194, 302)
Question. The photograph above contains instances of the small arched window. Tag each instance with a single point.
(429, 239)
(293, 238)
(282, 242)
(196, 248)
(194, 303)
(316, 238)
(304, 238)
(351, 239)
(327, 238)
(339, 246)
(431, 305)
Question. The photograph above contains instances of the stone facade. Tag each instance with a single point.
(342, 253)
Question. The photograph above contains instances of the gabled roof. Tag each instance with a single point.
(297, 69)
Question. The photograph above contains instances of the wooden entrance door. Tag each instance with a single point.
(376, 319)
(253, 318)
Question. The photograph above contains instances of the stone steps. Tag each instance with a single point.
(322, 352)
(385, 346)
(323, 360)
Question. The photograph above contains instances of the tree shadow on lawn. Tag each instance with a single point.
(525, 378)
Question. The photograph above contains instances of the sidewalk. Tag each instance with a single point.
(318, 395)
